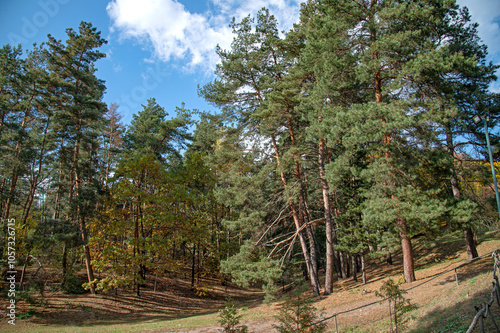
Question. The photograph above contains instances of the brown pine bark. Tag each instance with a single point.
(80, 217)
(408, 263)
(363, 268)
(470, 244)
(330, 257)
(313, 278)
(407, 249)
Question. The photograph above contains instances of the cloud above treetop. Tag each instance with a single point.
(177, 34)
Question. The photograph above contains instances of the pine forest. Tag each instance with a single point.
(346, 138)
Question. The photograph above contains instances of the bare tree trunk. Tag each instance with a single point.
(363, 268)
(343, 266)
(388, 257)
(64, 261)
(193, 265)
(408, 264)
(24, 270)
(88, 266)
(313, 278)
(354, 268)
(470, 245)
(338, 263)
(330, 257)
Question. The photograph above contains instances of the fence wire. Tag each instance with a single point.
(483, 311)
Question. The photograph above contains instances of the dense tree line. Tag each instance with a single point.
(342, 138)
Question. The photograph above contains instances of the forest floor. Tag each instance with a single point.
(442, 305)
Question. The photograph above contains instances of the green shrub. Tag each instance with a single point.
(298, 315)
(72, 285)
(229, 318)
(399, 306)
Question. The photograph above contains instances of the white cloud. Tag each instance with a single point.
(487, 14)
(175, 33)
(172, 31)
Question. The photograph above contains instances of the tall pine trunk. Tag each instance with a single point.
(408, 263)
(80, 216)
(407, 249)
(302, 213)
(313, 278)
(470, 245)
(330, 257)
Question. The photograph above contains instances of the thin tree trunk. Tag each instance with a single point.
(330, 257)
(64, 260)
(470, 245)
(388, 257)
(354, 268)
(343, 266)
(338, 263)
(313, 278)
(363, 268)
(193, 265)
(21, 281)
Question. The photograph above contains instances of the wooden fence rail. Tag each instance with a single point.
(483, 312)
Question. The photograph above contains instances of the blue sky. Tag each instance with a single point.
(165, 48)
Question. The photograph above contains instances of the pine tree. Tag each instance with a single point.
(79, 120)
(248, 75)
(368, 82)
(460, 86)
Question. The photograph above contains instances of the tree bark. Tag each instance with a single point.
(363, 268)
(354, 268)
(470, 245)
(343, 266)
(408, 264)
(64, 260)
(330, 257)
(313, 277)
(388, 257)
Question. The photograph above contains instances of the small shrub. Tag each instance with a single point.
(229, 318)
(298, 315)
(28, 314)
(399, 306)
(26, 296)
(72, 285)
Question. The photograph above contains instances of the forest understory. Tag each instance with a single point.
(174, 307)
